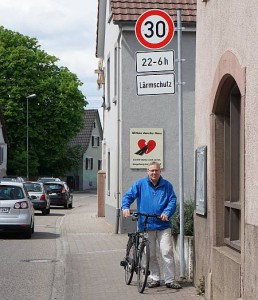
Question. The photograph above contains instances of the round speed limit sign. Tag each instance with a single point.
(154, 29)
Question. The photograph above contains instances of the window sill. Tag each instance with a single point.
(233, 244)
(230, 253)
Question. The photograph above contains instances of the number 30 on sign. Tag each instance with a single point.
(154, 29)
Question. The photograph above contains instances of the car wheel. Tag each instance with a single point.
(27, 234)
(44, 211)
(71, 205)
(48, 211)
(66, 206)
(32, 229)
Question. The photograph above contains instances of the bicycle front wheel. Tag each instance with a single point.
(143, 266)
(130, 265)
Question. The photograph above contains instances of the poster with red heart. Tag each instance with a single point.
(146, 145)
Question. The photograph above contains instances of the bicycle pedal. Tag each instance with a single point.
(144, 271)
(123, 263)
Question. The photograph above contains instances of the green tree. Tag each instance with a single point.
(55, 115)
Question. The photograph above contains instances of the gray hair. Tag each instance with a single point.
(153, 163)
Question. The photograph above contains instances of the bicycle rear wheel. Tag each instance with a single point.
(130, 264)
(143, 266)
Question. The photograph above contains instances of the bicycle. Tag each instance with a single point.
(137, 257)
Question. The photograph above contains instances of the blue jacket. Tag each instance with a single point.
(152, 200)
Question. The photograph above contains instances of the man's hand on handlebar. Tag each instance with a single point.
(164, 217)
(126, 213)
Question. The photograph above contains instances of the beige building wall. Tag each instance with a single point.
(227, 42)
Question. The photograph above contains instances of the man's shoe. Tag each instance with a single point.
(153, 283)
(173, 285)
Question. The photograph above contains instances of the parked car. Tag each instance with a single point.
(16, 209)
(39, 196)
(12, 179)
(59, 194)
(48, 179)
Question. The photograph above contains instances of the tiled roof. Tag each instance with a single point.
(83, 138)
(130, 10)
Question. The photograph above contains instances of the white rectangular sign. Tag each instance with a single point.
(146, 145)
(155, 84)
(155, 61)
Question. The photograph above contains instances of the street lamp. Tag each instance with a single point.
(28, 97)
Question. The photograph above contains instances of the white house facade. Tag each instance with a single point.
(133, 121)
(90, 140)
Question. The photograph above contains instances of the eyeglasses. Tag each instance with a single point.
(154, 171)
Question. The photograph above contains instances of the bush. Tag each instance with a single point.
(189, 207)
(201, 287)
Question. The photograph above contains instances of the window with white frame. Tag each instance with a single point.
(88, 163)
(108, 174)
(115, 75)
(108, 85)
(95, 141)
(1, 155)
(99, 164)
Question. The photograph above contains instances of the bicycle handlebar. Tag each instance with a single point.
(136, 214)
(147, 216)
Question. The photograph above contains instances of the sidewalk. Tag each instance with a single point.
(92, 259)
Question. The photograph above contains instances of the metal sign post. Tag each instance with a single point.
(181, 165)
(154, 29)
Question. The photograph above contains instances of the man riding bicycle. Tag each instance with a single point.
(155, 195)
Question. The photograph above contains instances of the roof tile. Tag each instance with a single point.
(83, 138)
(130, 10)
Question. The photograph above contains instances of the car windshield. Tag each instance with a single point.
(33, 187)
(11, 179)
(53, 187)
(11, 193)
(51, 179)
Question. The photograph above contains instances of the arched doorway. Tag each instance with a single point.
(227, 172)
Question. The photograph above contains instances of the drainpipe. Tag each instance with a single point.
(118, 133)
(181, 165)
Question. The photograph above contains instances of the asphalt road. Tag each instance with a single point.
(29, 268)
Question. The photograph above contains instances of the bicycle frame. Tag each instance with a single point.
(138, 254)
(138, 239)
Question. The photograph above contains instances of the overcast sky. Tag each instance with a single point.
(63, 28)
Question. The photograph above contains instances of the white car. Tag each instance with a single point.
(38, 196)
(16, 209)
